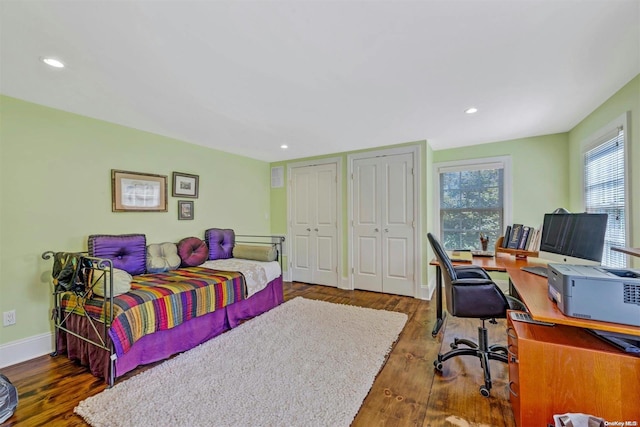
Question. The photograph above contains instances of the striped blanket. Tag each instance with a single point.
(161, 301)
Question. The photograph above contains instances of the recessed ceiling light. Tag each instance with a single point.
(284, 146)
(53, 62)
(471, 110)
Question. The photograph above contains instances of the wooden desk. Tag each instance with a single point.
(564, 368)
(560, 369)
(532, 291)
(499, 263)
(584, 373)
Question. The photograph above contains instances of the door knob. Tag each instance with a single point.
(315, 229)
(386, 230)
(376, 230)
(308, 229)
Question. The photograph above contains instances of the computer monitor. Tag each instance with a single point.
(573, 238)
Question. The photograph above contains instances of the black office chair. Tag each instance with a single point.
(470, 292)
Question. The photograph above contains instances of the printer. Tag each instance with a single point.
(595, 292)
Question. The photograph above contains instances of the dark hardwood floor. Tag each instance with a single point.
(406, 392)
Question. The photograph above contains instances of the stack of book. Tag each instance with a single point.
(522, 237)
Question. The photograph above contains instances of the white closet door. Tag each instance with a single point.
(398, 226)
(325, 231)
(314, 224)
(367, 248)
(383, 224)
(302, 221)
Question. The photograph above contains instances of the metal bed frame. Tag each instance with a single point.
(100, 267)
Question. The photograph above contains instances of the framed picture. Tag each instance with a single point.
(185, 209)
(138, 192)
(185, 185)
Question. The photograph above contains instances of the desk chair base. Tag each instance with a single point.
(481, 350)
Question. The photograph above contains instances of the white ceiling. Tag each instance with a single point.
(323, 76)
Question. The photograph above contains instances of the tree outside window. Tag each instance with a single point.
(471, 203)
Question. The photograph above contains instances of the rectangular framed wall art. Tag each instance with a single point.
(185, 209)
(138, 192)
(185, 185)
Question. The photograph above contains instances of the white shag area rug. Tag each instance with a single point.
(304, 363)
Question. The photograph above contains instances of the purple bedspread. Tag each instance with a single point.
(165, 343)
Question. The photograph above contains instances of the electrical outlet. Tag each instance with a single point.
(9, 318)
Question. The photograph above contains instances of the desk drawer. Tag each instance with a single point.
(512, 344)
(513, 387)
(514, 399)
(514, 380)
(512, 340)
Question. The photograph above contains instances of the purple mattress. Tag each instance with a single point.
(165, 343)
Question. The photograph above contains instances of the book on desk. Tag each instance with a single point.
(460, 256)
(521, 237)
(482, 253)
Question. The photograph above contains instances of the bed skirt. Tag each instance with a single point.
(163, 344)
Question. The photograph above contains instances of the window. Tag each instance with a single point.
(605, 190)
(472, 200)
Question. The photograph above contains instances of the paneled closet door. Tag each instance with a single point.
(314, 224)
(383, 224)
(367, 237)
(398, 224)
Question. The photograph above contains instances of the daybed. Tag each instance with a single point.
(175, 297)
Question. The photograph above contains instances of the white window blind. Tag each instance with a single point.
(604, 192)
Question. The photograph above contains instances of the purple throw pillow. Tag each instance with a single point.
(127, 252)
(192, 251)
(220, 242)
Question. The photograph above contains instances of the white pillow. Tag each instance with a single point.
(121, 283)
(162, 257)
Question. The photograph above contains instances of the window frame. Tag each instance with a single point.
(475, 164)
(597, 138)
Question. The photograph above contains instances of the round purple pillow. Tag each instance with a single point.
(192, 251)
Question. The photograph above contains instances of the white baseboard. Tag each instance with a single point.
(426, 292)
(345, 283)
(25, 349)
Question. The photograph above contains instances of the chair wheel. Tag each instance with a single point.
(484, 391)
(453, 345)
(437, 365)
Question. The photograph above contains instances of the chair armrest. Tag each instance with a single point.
(516, 304)
(471, 271)
(473, 282)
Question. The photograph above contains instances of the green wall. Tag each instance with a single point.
(55, 190)
(625, 100)
(539, 169)
(540, 178)
(428, 212)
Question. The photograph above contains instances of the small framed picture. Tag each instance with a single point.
(185, 209)
(185, 185)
